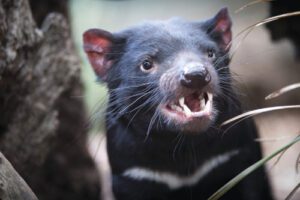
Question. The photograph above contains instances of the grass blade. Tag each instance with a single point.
(217, 195)
(291, 194)
(282, 91)
(250, 4)
(250, 28)
(258, 111)
(267, 20)
(297, 163)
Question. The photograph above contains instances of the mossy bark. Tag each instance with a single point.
(42, 119)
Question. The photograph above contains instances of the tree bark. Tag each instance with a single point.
(40, 9)
(12, 186)
(42, 119)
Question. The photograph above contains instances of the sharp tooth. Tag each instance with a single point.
(181, 101)
(202, 103)
(201, 96)
(173, 107)
(209, 102)
(177, 108)
(185, 108)
(210, 96)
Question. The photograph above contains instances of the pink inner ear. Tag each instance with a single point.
(96, 45)
(223, 27)
(97, 62)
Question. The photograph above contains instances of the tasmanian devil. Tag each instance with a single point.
(169, 90)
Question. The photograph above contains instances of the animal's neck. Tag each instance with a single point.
(163, 140)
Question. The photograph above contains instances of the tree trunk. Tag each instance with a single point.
(12, 186)
(42, 119)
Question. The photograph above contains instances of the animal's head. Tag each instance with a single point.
(169, 73)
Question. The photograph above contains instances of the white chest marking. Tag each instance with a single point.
(175, 181)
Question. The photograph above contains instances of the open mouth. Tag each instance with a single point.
(194, 105)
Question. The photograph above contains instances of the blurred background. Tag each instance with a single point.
(259, 65)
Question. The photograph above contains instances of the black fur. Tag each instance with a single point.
(139, 135)
(286, 27)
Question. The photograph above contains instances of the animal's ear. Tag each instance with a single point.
(97, 44)
(219, 28)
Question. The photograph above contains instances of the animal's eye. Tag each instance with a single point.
(211, 53)
(147, 65)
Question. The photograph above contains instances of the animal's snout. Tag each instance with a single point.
(195, 76)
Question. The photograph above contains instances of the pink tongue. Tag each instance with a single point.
(192, 102)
